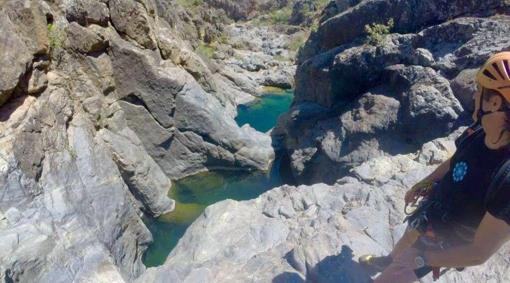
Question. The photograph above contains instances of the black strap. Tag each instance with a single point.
(467, 137)
(422, 272)
(501, 177)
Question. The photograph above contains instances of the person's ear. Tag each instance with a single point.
(476, 100)
(494, 103)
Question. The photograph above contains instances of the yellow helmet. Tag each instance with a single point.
(495, 74)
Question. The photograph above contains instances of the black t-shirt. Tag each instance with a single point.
(462, 195)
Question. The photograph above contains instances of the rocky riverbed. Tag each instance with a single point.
(104, 102)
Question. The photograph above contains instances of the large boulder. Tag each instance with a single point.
(140, 172)
(464, 88)
(23, 37)
(131, 19)
(87, 12)
(184, 128)
(84, 40)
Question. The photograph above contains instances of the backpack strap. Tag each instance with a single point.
(501, 177)
(469, 135)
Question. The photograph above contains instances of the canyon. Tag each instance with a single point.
(106, 104)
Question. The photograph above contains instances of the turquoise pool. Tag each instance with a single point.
(195, 193)
(264, 112)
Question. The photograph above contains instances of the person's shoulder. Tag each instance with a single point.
(473, 132)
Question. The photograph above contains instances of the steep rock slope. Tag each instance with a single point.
(102, 103)
(355, 101)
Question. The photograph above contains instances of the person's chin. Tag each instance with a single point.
(492, 146)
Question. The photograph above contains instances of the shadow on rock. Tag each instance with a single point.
(10, 107)
(341, 268)
(288, 277)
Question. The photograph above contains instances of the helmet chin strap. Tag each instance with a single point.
(481, 113)
(501, 133)
(495, 132)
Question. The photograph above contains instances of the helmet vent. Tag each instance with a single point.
(505, 62)
(498, 70)
(489, 75)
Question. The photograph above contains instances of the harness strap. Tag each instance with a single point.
(432, 236)
(436, 273)
(498, 179)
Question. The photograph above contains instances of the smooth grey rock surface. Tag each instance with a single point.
(140, 172)
(87, 12)
(70, 218)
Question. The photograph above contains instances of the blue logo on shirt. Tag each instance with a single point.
(460, 171)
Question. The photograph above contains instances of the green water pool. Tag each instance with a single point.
(264, 112)
(195, 193)
(192, 196)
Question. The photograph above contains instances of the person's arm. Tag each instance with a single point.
(490, 236)
(439, 173)
(416, 191)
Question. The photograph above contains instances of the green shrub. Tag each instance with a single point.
(206, 50)
(280, 58)
(190, 3)
(297, 41)
(321, 4)
(281, 16)
(56, 38)
(223, 38)
(377, 32)
(315, 26)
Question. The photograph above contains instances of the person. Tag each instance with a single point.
(463, 216)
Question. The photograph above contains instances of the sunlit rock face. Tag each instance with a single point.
(355, 101)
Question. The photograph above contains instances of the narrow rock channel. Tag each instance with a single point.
(193, 194)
